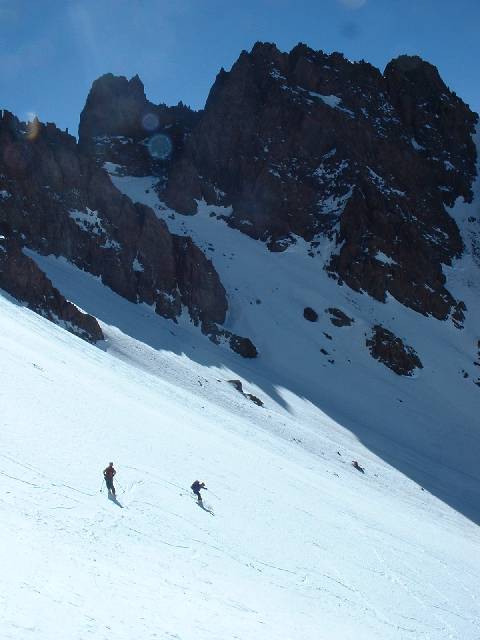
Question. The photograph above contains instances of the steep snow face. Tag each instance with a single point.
(467, 217)
(408, 422)
(300, 544)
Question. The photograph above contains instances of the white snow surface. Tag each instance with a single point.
(300, 544)
(332, 101)
(88, 220)
(416, 145)
(137, 265)
(383, 258)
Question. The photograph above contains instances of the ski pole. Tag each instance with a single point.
(101, 486)
(120, 486)
(213, 494)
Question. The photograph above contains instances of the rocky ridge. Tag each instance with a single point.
(55, 200)
(119, 125)
(273, 146)
(274, 143)
(391, 351)
(21, 278)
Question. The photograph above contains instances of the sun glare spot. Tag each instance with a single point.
(160, 146)
(150, 122)
(33, 125)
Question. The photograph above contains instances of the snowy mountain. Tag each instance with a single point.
(55, 200)
(313, 145)
(268, 289)
(300, 545)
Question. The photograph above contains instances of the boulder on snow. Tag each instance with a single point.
(254, 399)
(390, 350)
(243, 346)
(236, 384)
(310, 314)
(239, 387)
(339, 318)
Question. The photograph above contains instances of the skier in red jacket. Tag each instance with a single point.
(108, 474)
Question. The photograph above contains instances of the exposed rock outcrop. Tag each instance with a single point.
(339, 318)
(59, 202)
(310, 314)
(119, 125)
(21, 278)
(243, 346)
(390, 350)
(275, 143)
(239, 387)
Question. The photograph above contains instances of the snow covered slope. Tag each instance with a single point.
(301, 545)
(425, 426)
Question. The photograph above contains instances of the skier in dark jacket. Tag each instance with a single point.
(108, 474)
(196, 486)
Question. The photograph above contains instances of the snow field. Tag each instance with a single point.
(300, 544)
(396, 418)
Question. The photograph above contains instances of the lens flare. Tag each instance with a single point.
(150, 122)
(33, 126)
(160, 146)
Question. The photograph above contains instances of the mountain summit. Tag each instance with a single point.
(309, 145)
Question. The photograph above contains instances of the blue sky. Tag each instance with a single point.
(52, 50)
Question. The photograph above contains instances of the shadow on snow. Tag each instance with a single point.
(399, 440)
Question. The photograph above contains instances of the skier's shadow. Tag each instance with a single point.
(114, 500)
(205, 508)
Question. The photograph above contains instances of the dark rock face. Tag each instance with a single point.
(119, 125)
(300, 144)
(59, 202)
(201, 290)
(239, 387)
(275, 143)
(21, 278)
(255, 399)
(243, 346)
(339, 318)
(236, 384)
(439, 121)
(310, 314)
(392, 352)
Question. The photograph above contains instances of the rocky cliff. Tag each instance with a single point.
(360, 164)
(56, 200)
(308, 144)
(21, 278)
(119, 125)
